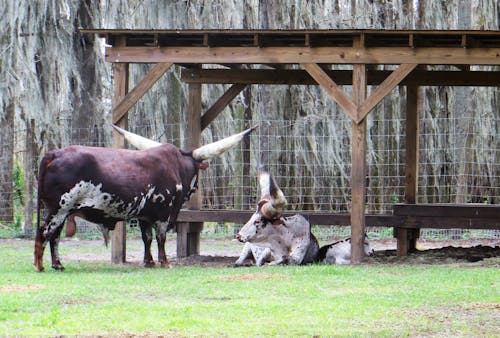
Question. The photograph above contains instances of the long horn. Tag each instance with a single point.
(270, 191)
(137, 141)
(217, 148)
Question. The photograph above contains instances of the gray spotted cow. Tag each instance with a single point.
(271, 238)
(340, 252)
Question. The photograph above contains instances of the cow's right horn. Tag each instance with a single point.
(217, 148)
(137, 141)
(272, 193)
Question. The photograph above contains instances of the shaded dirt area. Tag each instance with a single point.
(460, 253)
(224, 252)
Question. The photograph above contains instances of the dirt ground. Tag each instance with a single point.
(224, 252)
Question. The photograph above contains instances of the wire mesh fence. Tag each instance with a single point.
(311, 160)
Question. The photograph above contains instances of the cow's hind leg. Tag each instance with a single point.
(49, 232)
(39, 249)
(161, 237)
(147, 238)
(54, 249)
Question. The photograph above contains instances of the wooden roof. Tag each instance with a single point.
(438, 47)
(301, 38)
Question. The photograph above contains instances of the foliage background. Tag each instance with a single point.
(56, 90)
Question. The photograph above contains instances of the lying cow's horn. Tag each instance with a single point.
(270, 191)
(137, 141)
(217, 148)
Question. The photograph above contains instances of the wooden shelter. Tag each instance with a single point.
(305, 57)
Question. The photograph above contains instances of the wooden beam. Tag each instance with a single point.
(319, 75)
(333, 219)
(329, 55)
(385, 88)
(465, 210)
(140, 89)
(407, 238)
(121, 74)
(342, 77)
(188, 234)
(358, 165)
(220, 104)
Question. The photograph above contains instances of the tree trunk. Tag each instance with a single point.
(6, 164)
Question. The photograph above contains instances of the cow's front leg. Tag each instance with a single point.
(161, 237)
(147, 238)
(245, 253)
(261, 254)
(54, 248)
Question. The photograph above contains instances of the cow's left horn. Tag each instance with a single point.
(137, 141)
(217, 148)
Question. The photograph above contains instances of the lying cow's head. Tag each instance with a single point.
(269, 208)
(369, 251)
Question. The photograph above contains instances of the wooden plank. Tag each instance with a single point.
(303, 55)
(342, 77)
(335, 219)
(319, 75)
(449, 222)
(385, 88)
(140, 89)
(448, 210)
(316, 218)
(118, 235)
(220, 104)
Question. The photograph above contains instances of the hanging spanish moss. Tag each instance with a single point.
(54, 82)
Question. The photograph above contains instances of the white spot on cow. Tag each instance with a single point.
(157, 197)
(178, 187)
(88, 195)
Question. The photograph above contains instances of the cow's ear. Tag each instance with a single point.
(201, 165)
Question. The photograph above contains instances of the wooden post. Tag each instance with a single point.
(188, 234)
(358, 168)
(120, 72)
(30, 154)
(407, 238)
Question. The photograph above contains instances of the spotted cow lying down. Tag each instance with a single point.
(271, 238)
(340, 252)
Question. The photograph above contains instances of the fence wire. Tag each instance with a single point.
(311, 160)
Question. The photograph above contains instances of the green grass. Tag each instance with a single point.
(101, 299)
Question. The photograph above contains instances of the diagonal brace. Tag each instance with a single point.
(385, 88)
(221, 103)
(139, 90)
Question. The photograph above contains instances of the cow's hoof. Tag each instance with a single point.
(58, 267)
(39, 268)
(149, 264)
(166, 265)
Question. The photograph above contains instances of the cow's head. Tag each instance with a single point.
(369, 251)
(269, 208)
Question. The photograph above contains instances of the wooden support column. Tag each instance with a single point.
(188, 234)
(358, 168)
(406, 237)
(121, 73)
